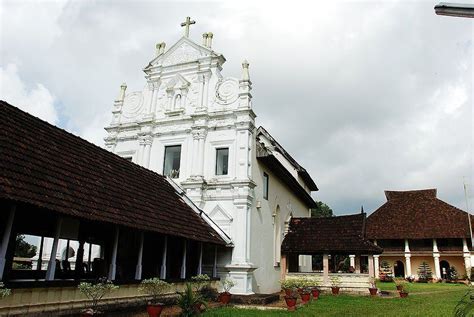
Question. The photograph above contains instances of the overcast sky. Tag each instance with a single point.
(367, 96)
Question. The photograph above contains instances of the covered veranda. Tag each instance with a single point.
(91, 214)
(337, 247)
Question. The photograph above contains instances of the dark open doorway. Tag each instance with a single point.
(399, 269)
(444, 266)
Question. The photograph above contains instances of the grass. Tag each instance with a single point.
(423, 300)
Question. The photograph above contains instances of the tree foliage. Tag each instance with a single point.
(322, 210)
(24, 249)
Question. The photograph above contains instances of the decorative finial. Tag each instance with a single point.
(186, 25)
(160, 48)
(362, 209)
(204, 39)
(245, 70)
(121, 95)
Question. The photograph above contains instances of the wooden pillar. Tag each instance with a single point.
(52, 259)
(163, 260)
(113, 259)
(138, 270)
(283, 266)
(325, 268)
(39, 264)
(214, 267)
(6, 239)
(79, 269)
(199, 270)
(183, 262)
(371, 265)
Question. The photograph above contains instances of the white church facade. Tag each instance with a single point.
(198, 127)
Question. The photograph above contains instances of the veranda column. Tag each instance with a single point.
(352, 260)
(183, 262)
(325, 269)
(214, 267)
(113, 260)
(283, 266)
(467, 257)
(436, 260)
(52, 259)
(163, 260)
(357, 264)
(6, 239)
(376, 265)
(78, 269)
(407, 259)
(371, 265)
(138, 270)
(199, 270)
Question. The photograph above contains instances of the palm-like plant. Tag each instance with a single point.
(190, 301)
(465, 307)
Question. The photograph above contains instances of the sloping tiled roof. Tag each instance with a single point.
(343, 234)
(48, 167)
(417, 214)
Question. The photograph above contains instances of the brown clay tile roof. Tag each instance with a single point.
(417, 214)
(48, 167)
(342, 234)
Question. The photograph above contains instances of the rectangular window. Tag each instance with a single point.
(172, 161)
(222, 161)
(265, 186)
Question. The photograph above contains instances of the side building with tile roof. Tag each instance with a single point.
(414, 227)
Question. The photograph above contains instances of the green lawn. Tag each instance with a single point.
(423, 300)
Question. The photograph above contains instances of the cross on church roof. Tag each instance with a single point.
(186, 25)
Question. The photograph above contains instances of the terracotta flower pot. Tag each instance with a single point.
(224, 298)
(288, 291)
(154, 310)
(335, 290)
(300, 290)
(399, 288)
(305, 297)
(403, 294)
(315, 293)
(373, 291)
(87, 313)
(290, 302)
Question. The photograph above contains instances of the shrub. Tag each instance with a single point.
(386, 273)
(153, 287)
(424, 273)
(335, 281)
(190, 301)
(465, 306)
(373, 282)
(200, 281)
(4, 292)
(227, 284)
(452, 274)
(96, 291)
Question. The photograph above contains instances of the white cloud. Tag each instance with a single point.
(36, 100)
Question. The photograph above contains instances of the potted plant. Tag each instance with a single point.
(335, 284)
(95, 292)
(4, 292)
(225, 296)
(373, 286)
(200, 281)
(403, 289)
(424, 273)
(287, 286)
(291, 298)
(386, 273)
(398, 282)
(154, 287)
(190, 301)
(315, 288)
(305, 293)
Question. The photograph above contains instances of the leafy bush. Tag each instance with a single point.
(335, 281)
(386, 273)
(424, 273)
(190, 301)
(154, 287)
(96, 291)
(200, 281)
(227, 284)
(452, 274)
(465, 306)
(4, 292)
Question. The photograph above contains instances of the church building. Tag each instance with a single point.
(197, 127)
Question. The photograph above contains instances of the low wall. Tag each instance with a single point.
(66, 300)
(350, 282)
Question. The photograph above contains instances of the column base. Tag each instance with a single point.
(242, 275)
